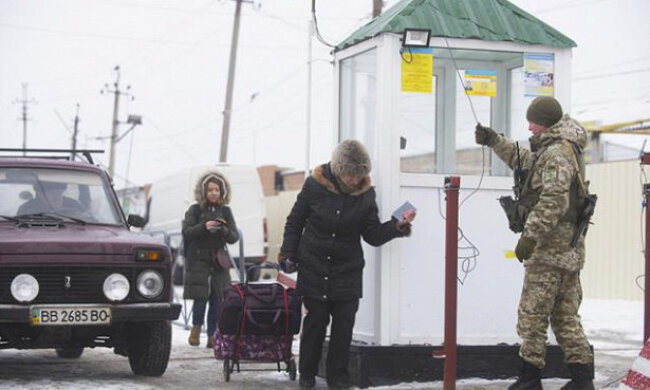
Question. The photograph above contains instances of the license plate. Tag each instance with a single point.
(70, 315)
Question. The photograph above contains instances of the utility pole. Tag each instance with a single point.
(225, 128)
(116, 105)
(75, 131)
(310, 32)
(25, 103)
(377, 6)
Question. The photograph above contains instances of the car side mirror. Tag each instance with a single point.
(25, 195)
(135, 221)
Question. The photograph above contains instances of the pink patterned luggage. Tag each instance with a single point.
(252, 347)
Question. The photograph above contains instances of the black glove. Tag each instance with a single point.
(485, 135)
(287, 266)
(525, 248)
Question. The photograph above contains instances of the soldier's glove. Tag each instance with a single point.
(287, 266)
(485, 135)
(525, 248)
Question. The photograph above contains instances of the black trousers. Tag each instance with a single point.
(313, 334)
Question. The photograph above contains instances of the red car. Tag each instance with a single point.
(72, 274)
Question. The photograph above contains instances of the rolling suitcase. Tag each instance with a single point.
(257, 323)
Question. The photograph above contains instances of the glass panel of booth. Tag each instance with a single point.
(518, 105)
(357, 97)
(417, 121)
(469, 156)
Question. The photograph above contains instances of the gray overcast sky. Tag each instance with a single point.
(174, 55)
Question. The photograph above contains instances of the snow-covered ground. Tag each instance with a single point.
(615, 328)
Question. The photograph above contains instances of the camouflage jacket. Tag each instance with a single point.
(553, 172)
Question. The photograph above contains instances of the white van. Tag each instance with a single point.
(172, 195)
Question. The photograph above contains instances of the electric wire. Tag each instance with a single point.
(469, 262)
(316, 30)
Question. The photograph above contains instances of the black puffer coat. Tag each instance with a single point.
(323, 235)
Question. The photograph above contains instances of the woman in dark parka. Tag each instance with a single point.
(322, 240)
(208, 225)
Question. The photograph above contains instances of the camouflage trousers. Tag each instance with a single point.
(554, 294)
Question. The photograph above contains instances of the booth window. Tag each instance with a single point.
(469, 155)
(518, 105)
(358, 97)
(417, 121)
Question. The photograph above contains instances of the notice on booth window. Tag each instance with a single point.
(480, 82)
(417, 70)
(538, 74)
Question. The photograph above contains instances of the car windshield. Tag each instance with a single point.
(68, 195)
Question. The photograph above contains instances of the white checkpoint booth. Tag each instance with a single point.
(416, 139)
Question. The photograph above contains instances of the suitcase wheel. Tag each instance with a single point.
(291, 369)
(226, 370)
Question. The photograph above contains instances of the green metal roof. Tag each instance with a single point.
(489, 20)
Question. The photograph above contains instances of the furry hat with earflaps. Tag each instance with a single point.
(350, 158)
(202, 185)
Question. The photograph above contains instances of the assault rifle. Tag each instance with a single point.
(516, 210)
(586, 211)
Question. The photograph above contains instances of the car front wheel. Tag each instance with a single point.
(149, 348)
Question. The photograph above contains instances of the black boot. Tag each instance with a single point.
(307, 381)
(581, 377)
(529, 379)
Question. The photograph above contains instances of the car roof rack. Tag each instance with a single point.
(57, 154)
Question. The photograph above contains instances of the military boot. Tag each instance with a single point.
(529, 379)
(581, 377)
(195, 334)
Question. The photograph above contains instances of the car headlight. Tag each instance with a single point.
(116, 287)
(150, 284)
(24, 288)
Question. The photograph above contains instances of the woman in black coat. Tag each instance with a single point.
(208, 226)
(322, 240)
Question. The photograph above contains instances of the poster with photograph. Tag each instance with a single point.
(480, 82)
(538, 74)
(417, 70)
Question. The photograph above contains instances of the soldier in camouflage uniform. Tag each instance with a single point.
(552, 288)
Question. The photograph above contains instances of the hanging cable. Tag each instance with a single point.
(401, 53)
(318, 36)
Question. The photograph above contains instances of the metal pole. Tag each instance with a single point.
(74, 134)
(308, 129)
(225, 128)
(24, 118)
(116, 104)
(452, 186)
(645, 160)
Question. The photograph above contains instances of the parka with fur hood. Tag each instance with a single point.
(200, 266)
(324, 229)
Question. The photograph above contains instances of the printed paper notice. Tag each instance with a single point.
(538, 74)
(480, 82)
(417, 70)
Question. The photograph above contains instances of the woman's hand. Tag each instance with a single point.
(210, 225)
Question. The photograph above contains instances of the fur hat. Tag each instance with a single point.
(544, 110)
(350, 157)
(202, 183)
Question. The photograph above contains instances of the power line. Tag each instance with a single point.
(611, 74)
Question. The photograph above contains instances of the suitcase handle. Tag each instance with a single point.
(264, 298)
(273, 323)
